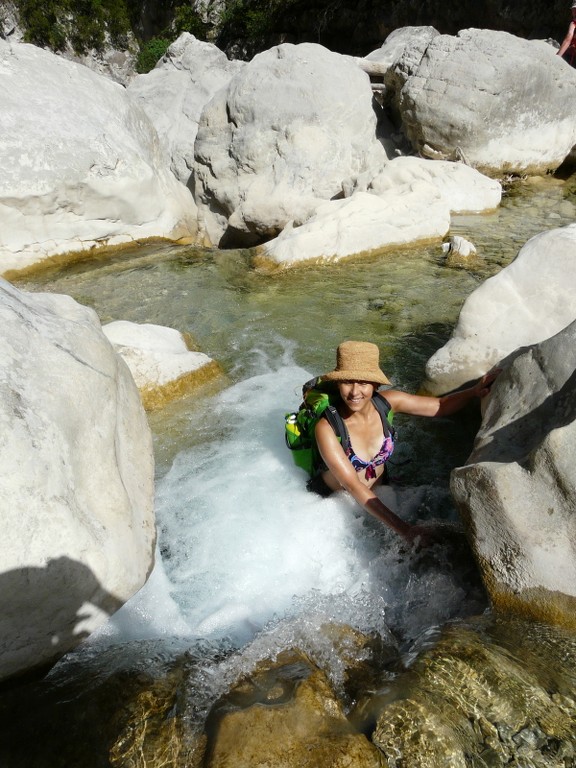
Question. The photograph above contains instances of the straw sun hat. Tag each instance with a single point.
(357, 361)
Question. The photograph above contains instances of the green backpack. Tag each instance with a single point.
(299, 426)
(319, 400)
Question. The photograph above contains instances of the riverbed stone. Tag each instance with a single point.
(124, 705)
(526, 302)
(517, 491)
(76, 479)
(292, 127)
(82, 164)
(463, 189)
(162, 361)
(174, 93)
(496, 100)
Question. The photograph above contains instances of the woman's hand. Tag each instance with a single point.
(425, 535)
(484, 384)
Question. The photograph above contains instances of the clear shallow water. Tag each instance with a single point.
(247, 558)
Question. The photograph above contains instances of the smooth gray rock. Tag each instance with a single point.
(174, 93)
(517, 492)
(501, 103)
(528, 301)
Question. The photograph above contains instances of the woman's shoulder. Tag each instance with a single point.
(390, 397)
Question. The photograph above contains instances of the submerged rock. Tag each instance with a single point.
(286, 715)
(495, 696)
(119, 706)
(76, 479)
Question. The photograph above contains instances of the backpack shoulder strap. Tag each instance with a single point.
(384, 409)
(336, 421)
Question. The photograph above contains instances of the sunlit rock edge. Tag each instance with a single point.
(163, 362)
(527, 302)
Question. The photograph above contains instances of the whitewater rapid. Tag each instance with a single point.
(243, 547)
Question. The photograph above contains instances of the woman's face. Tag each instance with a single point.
(356, 393)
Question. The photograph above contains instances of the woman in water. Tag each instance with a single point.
(358, 463)
(569, 43)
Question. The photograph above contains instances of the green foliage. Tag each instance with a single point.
(150, 53)
(253, 18)
(84, 23)
(187, 20)
(249, 18)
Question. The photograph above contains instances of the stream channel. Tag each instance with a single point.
(248, 562)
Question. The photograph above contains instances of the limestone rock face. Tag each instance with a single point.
(160, 360)
(174, 93)
(289, 131)
(492, 98)
(518, 488)
(528, 301)
(10, 22)
(81, 162)
(119, 64)
(76, 479)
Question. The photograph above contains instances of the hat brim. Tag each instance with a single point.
(375, 377)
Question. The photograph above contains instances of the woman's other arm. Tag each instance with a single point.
(419, 405)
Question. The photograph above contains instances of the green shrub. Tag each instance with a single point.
(150, 53)
(187, 20)
(253, 18)
(83, 23)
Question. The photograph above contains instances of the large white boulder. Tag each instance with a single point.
(174, 93)
(528, 301)
(517, 491)
(76, 479)
(160, 360)
(410, 200)
(503, 103)
(290, 130)
(81, 163)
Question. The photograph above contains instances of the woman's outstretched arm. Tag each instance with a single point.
(419, 405)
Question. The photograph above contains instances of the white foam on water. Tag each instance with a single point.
(245, 545)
